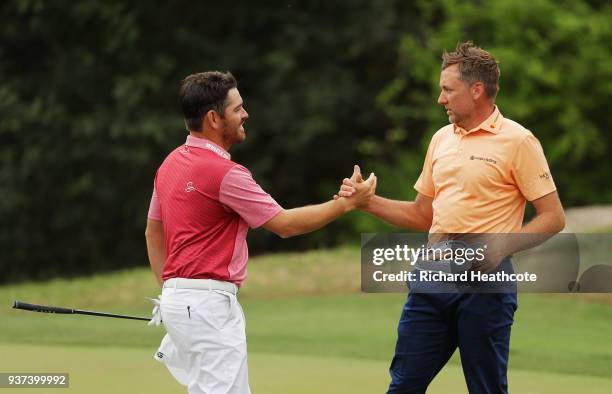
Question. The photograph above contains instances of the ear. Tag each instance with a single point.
(478, 90)
(213, 119)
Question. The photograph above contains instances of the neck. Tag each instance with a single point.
(212, 137)
(480, 115)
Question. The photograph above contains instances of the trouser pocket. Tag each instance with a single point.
(216, 308)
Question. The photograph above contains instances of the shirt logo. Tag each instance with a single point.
(486, 159)
(545, 175)
(218, 151)
(189, 187)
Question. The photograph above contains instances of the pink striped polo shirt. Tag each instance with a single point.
(207, 204)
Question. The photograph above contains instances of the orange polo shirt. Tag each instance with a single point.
(481, 179)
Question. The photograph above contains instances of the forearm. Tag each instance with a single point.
(545, 223)
(305, 219)
(156, 251)
(157, 256)
(542, 227)
(403, 214)
(296, 221)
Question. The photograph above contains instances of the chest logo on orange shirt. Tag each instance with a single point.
(189, 187)
(486, 159)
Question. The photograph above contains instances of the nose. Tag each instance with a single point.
(442, 99)
(245, 114)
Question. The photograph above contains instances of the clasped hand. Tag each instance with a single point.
(356, 190)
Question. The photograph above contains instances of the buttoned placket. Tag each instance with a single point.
(459, 150)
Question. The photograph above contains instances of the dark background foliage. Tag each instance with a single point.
(89, 107)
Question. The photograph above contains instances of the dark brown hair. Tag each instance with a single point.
(203, 92)
(475, 65)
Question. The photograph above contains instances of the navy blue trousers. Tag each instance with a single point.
(433, 325)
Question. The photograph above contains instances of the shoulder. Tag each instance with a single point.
(208, 160)
(515, 131)
(239, 169)
(442, 134)
(237, 175)
(524, 144)
(172, 156)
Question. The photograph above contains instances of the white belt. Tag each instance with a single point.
(200, 284)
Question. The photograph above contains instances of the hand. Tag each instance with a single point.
(495, 251)
(356, 177)
(357, 191)
(346, 190)
(156, 318)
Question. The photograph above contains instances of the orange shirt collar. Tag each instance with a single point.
(492, 124)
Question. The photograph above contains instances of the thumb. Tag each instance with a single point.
(356, 177)
(355, 172)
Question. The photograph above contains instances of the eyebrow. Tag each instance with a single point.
(239, 105)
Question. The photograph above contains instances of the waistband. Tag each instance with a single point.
(200, 284)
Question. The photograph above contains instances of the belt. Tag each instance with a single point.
(200, 284)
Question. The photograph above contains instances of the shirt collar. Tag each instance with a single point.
(205, 143)
(491, 124)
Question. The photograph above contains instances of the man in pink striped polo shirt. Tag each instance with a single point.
(202, 207)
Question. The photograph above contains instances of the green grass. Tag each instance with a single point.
(309, 330)
(132, 370)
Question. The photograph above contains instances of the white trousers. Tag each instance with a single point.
(205, 344)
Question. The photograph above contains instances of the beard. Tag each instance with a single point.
(233, 134)
(453, 118)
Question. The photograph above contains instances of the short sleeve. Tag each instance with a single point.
(154, 207)
(425, 183)
(530, 170)
(243, 195)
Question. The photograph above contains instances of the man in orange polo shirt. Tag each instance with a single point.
(478, 174)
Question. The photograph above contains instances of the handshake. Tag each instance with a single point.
(357, 191)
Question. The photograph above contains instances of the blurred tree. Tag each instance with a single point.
(89, 106)
(556, 79)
